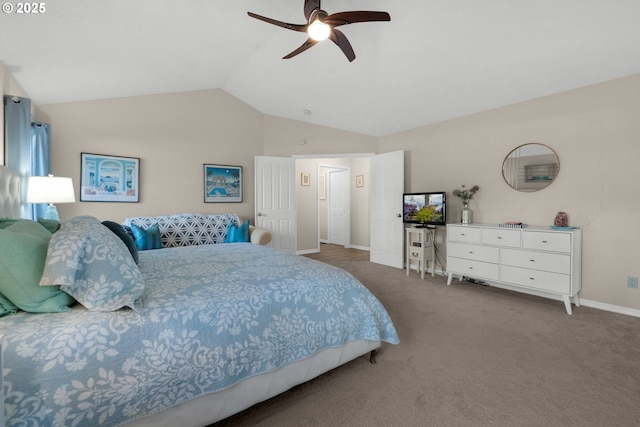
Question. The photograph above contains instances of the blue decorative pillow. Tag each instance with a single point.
(93, 265)
(237, 234)
(147, 238)
(119, 231)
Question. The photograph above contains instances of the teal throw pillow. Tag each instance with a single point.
(23, 251)
(147, 238)
(237, 234)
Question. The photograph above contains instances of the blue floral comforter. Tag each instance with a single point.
(212, 316)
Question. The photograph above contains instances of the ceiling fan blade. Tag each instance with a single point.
(310, 6)
(340, 39)
(306, 45)
(294, 27)
(344, 18)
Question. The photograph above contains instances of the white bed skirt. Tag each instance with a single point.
(214, 407)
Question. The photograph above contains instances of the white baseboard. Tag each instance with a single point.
(307, 251)
(362, 248)
(610, 307)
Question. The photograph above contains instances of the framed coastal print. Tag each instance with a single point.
(222, 183)
(359, 181)
(305, 179)
(106, 178)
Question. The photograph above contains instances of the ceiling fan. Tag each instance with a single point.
(320, 26)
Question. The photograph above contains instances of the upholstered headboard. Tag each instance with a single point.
(9, 193)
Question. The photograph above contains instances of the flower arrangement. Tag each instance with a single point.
(466, 195)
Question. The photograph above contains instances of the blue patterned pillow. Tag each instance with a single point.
(147, 238)
(93, 265)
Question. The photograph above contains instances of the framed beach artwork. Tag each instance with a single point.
(222, 183)
(106, 178)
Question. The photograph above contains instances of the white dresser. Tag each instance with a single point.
(537, 260)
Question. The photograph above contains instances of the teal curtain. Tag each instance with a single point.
(40, 159)
(26, 148)
(17, 139)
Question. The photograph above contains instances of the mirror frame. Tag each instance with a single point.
(532, 176)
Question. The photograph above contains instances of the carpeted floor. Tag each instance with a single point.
(472, 355)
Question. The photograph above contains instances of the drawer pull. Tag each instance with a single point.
(532, 278)
(499, 237)
(544, 241)
(532, 260)
(470, 268)
(470, 252)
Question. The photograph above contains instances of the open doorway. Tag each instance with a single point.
(326, 216)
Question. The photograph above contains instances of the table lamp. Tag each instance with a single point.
(50, 189)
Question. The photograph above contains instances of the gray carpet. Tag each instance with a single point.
(473, 355)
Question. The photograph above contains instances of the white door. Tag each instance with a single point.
(276, 200)
(387, 186)
(339, 216)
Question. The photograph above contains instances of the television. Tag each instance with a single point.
(424, 208)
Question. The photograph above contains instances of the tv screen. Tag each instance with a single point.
(425, 208)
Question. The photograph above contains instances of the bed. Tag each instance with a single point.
(214, 330)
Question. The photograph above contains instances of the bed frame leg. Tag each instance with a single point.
(372, 356)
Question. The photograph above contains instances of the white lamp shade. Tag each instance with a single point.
(50, 189)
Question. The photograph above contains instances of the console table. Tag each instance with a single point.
(537, 260)
(421, 248)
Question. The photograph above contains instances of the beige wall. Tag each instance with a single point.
(172, 134)
(596, 133)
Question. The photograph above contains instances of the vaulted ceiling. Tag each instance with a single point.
(435, 60)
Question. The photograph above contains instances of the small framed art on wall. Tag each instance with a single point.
(222, 183)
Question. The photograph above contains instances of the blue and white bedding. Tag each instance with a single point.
(210, 316)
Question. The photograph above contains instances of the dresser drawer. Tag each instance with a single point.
(472, 268)
(499, 237)
(474, 252)
(542, 280)
(464, 234)
(547, 241)
(556, 263)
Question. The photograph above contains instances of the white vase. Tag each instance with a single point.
(466, 215)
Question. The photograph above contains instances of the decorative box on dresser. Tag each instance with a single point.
(537, 260)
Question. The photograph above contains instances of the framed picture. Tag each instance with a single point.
(222, 184)
(305, 179)
(109, 178)
(359, 180)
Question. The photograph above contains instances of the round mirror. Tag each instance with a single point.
(530, 167)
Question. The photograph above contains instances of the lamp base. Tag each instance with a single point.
(51, 212)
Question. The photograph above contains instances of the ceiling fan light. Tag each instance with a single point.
(318, 30)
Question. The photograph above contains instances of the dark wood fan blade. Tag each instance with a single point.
(294, 27)
(340, 39)
(344, 18)
(306, 45)
(310, 6)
